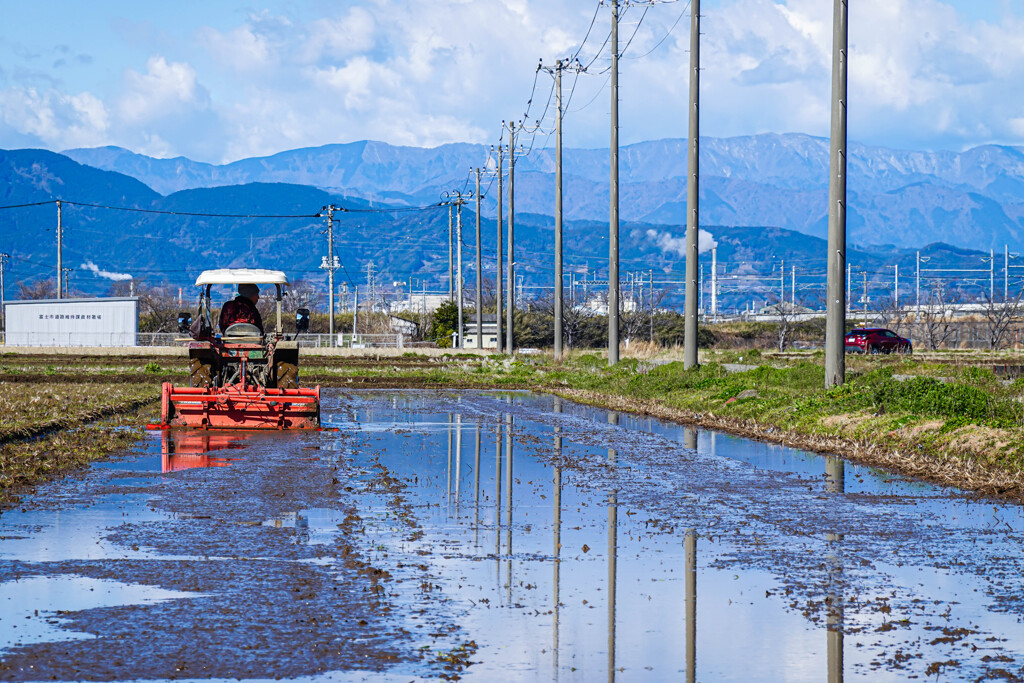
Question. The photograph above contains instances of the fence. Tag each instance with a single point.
(348, 341)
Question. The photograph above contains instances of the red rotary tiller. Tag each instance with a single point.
(241, 379)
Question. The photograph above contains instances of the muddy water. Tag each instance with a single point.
(536, 538)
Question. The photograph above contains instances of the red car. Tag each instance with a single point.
(876, 340)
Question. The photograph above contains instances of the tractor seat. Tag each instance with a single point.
(242, 330)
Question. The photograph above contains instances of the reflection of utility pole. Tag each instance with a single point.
(690, 558)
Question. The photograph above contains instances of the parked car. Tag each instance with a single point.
(876, 340)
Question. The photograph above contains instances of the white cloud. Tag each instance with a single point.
(673, 244)
(164, 90)
(419, 73)
(55, 119)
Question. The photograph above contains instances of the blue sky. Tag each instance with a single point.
(219, 81)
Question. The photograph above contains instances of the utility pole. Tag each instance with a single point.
(559, 298)
(917, 317)
(451, 263)
(1006, 271)
(479, 276)
(652, 305)
(835, 318)
(865, 298)
(60, 252)
(782, 286)
(458, 278)
(67, 286)
(896, 288)
(714, 283)
(330, 264)
(510, 287)
(792, 282)
(355, 310)
(498, 284)
(849, 297)
(692, 198)
(613, 223)
(992, 274)
(3, 293)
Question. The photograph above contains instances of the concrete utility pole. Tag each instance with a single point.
(613, 223)
(1006, 271)
(330, 264)
(510, 285)
(835, 316)
(652, 305)
(992, 274)
(451, 262)
(782, 286)
(479, 276)
(917, 317)
(67, 284)
(60, 252)
(792, 294)
(692, 198)
(355, 310)
(3, 293)
(498, 284)
(458, 275)
(559, 298)
(896, 288)
(714, 283)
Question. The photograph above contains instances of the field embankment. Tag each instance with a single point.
(947, 419)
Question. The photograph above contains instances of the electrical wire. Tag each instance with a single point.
(20, 206)
(665, 37)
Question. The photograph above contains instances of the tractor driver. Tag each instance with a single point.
(242, 309)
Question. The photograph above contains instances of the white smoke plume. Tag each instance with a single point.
(116, 277)
(666, 241)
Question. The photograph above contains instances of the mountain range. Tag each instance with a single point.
(972, 199)
(117, 227)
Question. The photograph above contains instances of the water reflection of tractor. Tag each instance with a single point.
(242, 377)
(186, 449)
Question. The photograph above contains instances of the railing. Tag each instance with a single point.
(323, 341)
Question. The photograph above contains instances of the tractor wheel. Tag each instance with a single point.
(199, 373)
(287, 375)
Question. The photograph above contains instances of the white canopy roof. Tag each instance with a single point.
(237, 276)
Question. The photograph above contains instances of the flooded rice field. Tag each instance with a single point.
(503, 536)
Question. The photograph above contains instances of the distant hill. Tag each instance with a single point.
(172, 248)
(906, 198)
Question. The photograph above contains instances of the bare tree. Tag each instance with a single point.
(39, 289)
(576, 312)
(937, 316)
(785, 313)
(1000, 315)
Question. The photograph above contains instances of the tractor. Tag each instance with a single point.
(240, 378)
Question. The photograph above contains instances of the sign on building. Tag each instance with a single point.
(72, 322)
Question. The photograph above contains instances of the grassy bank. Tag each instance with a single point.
(946, 418)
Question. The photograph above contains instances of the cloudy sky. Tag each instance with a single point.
(219, 81)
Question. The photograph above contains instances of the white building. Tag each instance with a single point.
(72, 322)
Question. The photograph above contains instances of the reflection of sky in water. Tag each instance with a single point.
(743, 633)
(29, 606)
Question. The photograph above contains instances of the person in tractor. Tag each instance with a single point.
(242, 309)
